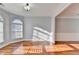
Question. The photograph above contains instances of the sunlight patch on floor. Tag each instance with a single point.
(60, 47)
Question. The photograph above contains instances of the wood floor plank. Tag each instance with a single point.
(27, 48)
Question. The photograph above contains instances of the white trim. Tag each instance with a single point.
(67, 17)
(7, 43)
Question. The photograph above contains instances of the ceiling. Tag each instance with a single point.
(37, 9)
(71, 11)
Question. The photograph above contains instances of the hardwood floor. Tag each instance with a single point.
(40, 48)
(25, 48)
(66, 48)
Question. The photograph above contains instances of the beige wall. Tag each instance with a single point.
(67, 29)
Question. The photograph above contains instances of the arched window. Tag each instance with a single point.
(1, 29)
(17, 29)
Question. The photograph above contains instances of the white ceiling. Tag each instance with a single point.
(37, 9)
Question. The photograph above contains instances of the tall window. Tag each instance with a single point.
(1, 29)
(17, 29)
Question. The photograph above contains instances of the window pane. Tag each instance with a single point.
(1, 26)
(1, 37)
(17, 29)
(1, 32)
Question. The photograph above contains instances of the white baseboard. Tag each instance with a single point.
(7, 43)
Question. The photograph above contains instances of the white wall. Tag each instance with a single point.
(67, 29)
(41, 22)
(6, 23)
(29, 24)
(27, 28)
(8, 17)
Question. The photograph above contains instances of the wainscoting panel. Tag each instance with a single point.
(67, 36)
